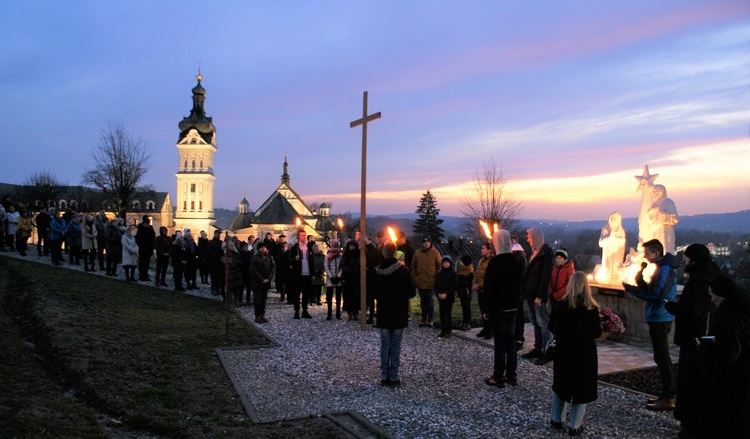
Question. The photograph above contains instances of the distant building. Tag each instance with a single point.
(284, 212)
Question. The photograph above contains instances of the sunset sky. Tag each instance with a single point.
(570, 98)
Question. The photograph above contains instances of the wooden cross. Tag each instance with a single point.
(362, 210)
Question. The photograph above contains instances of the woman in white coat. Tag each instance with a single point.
(129, 254)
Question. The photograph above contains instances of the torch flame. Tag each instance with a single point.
(486, 228)
(495, 227)
(392, 234)
(340, 223)
(298, 222)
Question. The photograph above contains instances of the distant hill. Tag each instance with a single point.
(714, 222)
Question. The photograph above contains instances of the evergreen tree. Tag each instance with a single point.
(428, 222)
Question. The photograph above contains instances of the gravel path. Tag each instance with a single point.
(326, 366)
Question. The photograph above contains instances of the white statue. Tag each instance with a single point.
(646, 186)
(612, 242)
(662, 218)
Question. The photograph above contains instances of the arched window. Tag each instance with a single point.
(150, 205)
(136, 205)
(186, 164)
(193, 164)
(201, 164)
(63, 205)
(73, 204)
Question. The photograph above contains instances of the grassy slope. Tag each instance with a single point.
(137, 354)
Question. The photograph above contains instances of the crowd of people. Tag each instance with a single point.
(710, 396)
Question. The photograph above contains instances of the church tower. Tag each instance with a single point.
(195, 172)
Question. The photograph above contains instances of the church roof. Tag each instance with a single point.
(241, 221)
(276, 210)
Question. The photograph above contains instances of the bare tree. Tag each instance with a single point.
(489, 200)
(41, 186)
(119, 161)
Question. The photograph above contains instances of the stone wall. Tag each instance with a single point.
(629, 308)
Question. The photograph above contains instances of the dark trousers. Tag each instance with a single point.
(446, 320)
(217, 278)
(301, 287)
(503, 331)
(520, 317)
(21, 244)
(178, 270)
(112, 261)
(144, 259)
(190, 273)
(330, 291)
(42, 243)
(56, 251)
(659, 332)
(203, 268)
(260, 296)
(100, 254)
(162, 262)
(74, 256)
(89, 256)
(465, 297)
(426, 304)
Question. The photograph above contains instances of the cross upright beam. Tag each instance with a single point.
(362, 210)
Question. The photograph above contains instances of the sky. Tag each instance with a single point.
(569, 98)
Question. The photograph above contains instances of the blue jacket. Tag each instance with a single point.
(57, 229)
(661, 288)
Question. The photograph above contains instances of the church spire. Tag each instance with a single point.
(285, 179)
(198, 118)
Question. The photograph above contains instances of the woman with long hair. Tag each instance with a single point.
(576, 326)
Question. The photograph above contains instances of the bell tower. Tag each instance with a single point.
(195, 170)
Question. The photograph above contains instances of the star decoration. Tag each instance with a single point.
(645, 180)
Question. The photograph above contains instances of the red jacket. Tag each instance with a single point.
(558, 283)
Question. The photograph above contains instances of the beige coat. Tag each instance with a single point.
(424, 266)
(89, 236)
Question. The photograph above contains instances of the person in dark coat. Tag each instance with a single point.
(163, 247)
(502, 289)
(113, 232)
(576, 325)
(723, 360)
(179, 256)
(215, 251)
(101, 237)
(145, 237)
(465, 281)
(393, 289)
(262, 270)
(536, 283)
(351, 280)
(283, 265)
(42, 221)
(691, 323)
(203, 266)
(446, 284)
(300, 275)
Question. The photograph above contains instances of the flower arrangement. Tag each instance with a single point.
(611, 322)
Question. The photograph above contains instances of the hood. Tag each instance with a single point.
(669, 259)
(502, 242)
(537, 238)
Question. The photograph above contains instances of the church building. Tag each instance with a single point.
(284, 212)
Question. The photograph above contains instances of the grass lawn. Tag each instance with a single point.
(89, 356)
